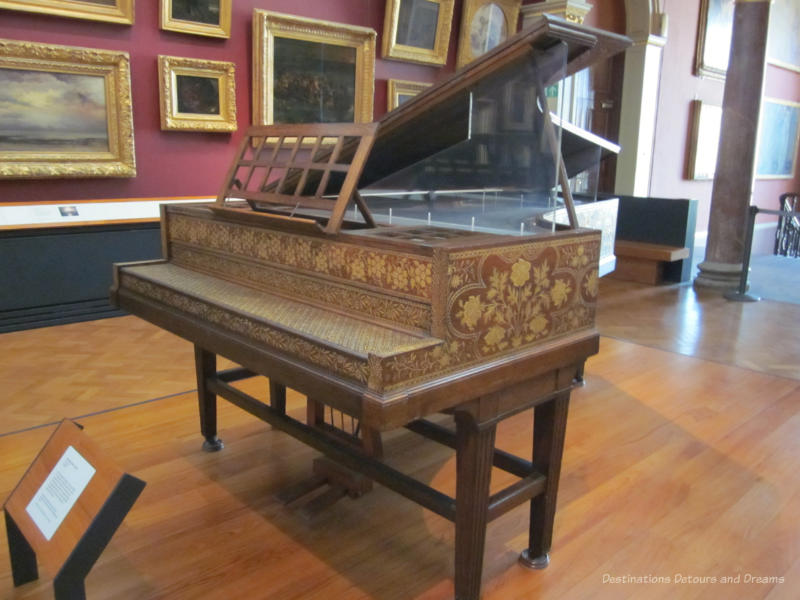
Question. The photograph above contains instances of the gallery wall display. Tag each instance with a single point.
(714, 33)
(783, 48)
(112, 11)
(704, 143)
(199, 17)
(484, 25)
(778, 137)
(417, 30)
(401, 91)
(69, 113)
(311, 71)
(196, 95)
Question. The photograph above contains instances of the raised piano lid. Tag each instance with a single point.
(481, 131)
(480, 150)
(512, 75)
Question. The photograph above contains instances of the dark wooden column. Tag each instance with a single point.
(733, 180)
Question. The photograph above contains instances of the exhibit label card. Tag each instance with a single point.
(59, 492)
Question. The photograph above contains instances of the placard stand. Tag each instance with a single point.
(66, 523)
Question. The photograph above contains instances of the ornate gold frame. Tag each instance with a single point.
(114, 67)
(268, 25)
(510, 10)
(703, 69)
(171, 119)
(437, 56)
(223, 30)
(121, 12)
(398, 87)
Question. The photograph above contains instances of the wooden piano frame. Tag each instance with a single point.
(478, 402)
(258, 285)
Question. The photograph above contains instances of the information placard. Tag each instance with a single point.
(65, 509)
(59, 492)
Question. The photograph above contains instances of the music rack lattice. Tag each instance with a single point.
(279, 169)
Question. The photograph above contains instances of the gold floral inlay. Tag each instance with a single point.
(505, 300)
(408, 275)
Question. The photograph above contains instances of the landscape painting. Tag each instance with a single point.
(47, 112)
(65, 111)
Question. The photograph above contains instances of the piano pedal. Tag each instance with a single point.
(354, 484)
(341, 481)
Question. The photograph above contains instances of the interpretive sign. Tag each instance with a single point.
(65, 509)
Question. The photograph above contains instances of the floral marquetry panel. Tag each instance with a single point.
(383, 269)
(505, 300)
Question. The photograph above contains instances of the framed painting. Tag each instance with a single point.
(714, 33)
(199, 17)
(401, 91)
(778, 137)
(783, 49)
(484, 25)
(417, 30)
(704, 143)
(64, 112)
(311, 71)
(196, 95)
(112, 11)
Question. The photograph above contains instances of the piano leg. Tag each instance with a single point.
(549, 427)
(474, 453)
(205, 364)
(277, 396)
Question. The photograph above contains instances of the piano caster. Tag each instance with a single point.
(540, 562)
(579, 380)
(213, 444)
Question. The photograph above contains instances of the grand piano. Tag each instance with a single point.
(431, 262)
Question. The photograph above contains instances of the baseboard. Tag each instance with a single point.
(57, 314)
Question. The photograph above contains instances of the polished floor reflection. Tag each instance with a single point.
(762, 336)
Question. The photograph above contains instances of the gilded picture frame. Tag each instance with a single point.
(417, 30)
(69, 113)
(311, 71)
(118, 11)
(484, 25)
(196, 94)
(784, 23)
(778, 139)
(399, 91)
(704, 143)
(210, 18)
(714, 33)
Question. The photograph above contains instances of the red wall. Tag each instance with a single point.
(173, 163)
(679, 86)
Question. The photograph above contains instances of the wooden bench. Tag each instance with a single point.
(644, 262)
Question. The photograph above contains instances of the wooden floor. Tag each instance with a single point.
(680, 462)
